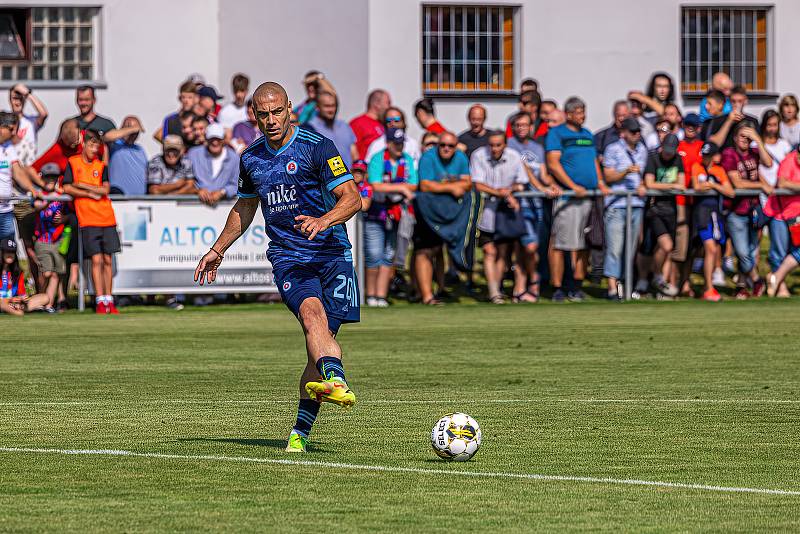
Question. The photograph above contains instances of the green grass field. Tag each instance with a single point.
(684, 392)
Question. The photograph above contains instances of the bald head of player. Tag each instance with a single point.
(273, 110)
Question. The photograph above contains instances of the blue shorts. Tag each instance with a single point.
(333, 282)
(709, 224)
(532, 215)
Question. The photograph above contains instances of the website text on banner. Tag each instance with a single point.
(162, 241)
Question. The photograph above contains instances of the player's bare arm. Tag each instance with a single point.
(348, 203)
(239, 220)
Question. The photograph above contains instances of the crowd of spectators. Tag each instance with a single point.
(428, 204)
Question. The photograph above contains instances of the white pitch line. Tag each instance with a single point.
(404, 401)
(415, 470)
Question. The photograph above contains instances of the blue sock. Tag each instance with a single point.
(307, 412)
(330, 367)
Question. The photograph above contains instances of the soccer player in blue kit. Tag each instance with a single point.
(306, 194)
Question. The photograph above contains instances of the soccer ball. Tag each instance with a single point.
(456, 436)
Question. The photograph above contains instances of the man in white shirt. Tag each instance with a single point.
(498, 171)
(235, 111)
(10, 171)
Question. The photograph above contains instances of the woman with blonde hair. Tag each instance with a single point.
(790, 125)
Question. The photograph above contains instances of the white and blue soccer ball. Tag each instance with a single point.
(456, 436)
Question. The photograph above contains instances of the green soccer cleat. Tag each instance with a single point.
(333, 391)
(297, 443)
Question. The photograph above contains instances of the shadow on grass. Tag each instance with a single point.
(250, 442)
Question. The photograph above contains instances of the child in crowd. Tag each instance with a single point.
(14, 299)
(708, 175)
(359, 171)
(48, 232)
(86, 180)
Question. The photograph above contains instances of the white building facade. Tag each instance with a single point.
(458, 52)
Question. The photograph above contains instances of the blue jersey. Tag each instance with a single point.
(296, 179)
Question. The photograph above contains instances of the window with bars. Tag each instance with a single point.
(59, 45)
(730, 39)
(467, 49)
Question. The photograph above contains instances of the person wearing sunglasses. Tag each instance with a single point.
(445, 173)
(394, 118)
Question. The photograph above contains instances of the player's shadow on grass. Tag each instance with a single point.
(266, 443)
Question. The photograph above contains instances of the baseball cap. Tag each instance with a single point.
(174, 142)
(709, 149)
(631, 124)
(8, 245)
(670, 145)
(50, 169)
(196, 78)
(396, 135)
(359, 165)
(215, 131)
(692, 119)
(209, 91)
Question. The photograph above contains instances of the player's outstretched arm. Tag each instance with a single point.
(348, 203)
(239, 220)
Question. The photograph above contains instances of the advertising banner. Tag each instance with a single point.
(162, 242)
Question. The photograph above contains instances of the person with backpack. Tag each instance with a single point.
(707, 176)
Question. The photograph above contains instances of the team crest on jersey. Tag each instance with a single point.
(337, 166)
(95, 174)
(291, 167)
(287, 286)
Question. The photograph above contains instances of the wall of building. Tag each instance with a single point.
(597, 50)
(148, 47)
(281, 41)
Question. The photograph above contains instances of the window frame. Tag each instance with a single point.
(516, 51)
(25, 34)
(769, 60)
(98, 39)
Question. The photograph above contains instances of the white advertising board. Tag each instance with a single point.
(162, 242)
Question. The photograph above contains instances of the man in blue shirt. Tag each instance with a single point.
(306, 194)
(623, 164)
(127, 166)
(572, 161)
(327, 125)
(215, 166)
(444, 171)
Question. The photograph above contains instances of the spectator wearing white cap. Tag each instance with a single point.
(216, 167)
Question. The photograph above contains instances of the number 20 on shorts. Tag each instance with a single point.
(350, 291)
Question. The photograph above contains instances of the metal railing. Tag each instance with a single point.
(592, 193)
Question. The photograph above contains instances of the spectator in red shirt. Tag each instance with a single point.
(545, 108)
(426, 116)
(67, 145)
(689, 151)
(369, 125)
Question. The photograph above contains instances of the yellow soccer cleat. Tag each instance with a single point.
(296, 443)
(333, 391)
